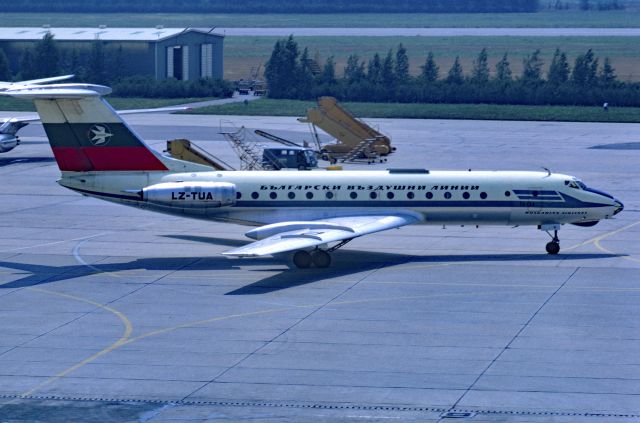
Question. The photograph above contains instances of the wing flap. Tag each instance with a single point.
(321, 232)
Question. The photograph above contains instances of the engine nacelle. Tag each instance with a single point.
(8, 142)
(191, 194)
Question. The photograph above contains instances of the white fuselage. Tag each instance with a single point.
(437, 197)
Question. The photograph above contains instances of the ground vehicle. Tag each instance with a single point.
(277, 158)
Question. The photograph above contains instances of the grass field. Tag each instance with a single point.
(268, 107)
(242, 53)
(546, 18)
(119, 103)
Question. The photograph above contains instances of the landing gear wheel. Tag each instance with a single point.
(302, 259)
(321, 258)
(553, 247)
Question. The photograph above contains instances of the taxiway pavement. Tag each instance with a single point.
(114, 314)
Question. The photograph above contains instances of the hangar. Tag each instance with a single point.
(181, 53)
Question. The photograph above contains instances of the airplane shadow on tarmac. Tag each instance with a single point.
(6, 161)
(345, 262)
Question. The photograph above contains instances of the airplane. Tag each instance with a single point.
(10, 127)
(305, 213)
(8, 138)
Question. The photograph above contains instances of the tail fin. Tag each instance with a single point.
(86, 133)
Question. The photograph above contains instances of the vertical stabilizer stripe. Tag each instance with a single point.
(123, 158)
(86, 134)
(72, 159)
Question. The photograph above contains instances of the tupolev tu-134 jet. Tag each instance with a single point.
(309, 213)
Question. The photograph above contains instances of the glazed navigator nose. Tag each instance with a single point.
(619, 207)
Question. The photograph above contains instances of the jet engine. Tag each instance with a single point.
(191, 194)
(8, 142)
(8, 138)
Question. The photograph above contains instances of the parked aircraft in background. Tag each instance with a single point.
(311, 213)
(10, 126)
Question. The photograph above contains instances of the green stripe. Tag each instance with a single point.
(81, 134)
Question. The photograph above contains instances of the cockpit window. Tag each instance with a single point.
(575, 184)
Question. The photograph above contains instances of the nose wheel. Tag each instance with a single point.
(553, 247)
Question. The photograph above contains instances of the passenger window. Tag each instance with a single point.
(273, 195)
(410, 195)
(483, 195)
(255, 195)
(373, 195)
(291, 195)
(309, 195)
(447, 195)
(353, 195)
(329, 195)
(390, 195)
(429, 195)
(465, 195)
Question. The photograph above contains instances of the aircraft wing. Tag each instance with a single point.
(290, 236)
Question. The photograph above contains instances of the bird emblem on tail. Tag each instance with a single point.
(99, 134)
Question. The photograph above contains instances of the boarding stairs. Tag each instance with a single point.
(361, 150)
(249, 152)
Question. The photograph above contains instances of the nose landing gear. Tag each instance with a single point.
(552, 247)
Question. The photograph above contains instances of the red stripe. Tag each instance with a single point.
(71, 159)
(106, 158)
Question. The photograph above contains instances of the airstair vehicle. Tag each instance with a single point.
(355, 139)
(186, 150)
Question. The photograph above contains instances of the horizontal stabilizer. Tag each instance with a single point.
(57, 91)
(22, 84)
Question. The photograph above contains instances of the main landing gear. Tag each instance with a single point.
(319, 258)
(553, 246)
(303, 259)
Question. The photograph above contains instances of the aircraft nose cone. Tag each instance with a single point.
(619, 207)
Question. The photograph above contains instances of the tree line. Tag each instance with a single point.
(274, 6)
(107, 67)
(386, 78)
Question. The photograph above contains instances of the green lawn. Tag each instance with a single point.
(546, 18)
(268, 107)
(119, 103)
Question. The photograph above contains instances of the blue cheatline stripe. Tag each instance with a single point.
(545, 198)
(414, 204)
(105, 194)
(531, 191)
(569, 203)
